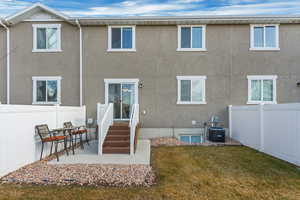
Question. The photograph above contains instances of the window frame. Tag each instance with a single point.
(190, 138)
(36, 26)
(191, 48)
(253, 48)
(191, 78)
(46, 78)
(110, 49)
(262, 78)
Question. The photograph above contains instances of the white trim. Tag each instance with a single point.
(121, 50)
(122, 81)
(201, 78)
(80, 64)
(7, 62)
(34, 47)
(43, 20)
(110, 49)
(46, 78)
(253, 48)
(191, 49)
(38, 5)
(262, 77)
(191, 77)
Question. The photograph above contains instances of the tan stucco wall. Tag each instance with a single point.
(2, 65)
(226, 64)
(25, 64)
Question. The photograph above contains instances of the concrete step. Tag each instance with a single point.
(116, 150)
(116, 143)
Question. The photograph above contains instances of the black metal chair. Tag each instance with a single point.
(80, 130)
(48, 136)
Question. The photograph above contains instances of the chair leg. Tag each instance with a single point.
(51, 148)
(75, 139)
(72, 144)
(86, 138)
(66, 147)
(56, 153)
(42, 151)
(81, 142)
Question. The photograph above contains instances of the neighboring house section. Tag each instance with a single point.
(39, 52)
(179, 70)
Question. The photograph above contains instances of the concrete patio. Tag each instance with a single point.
(89, 155)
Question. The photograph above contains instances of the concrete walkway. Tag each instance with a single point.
(89, 155)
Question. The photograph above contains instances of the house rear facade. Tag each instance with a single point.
(180, 70)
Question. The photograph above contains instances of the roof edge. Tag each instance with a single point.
(37, 5)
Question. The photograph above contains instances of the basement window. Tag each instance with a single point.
(191, 139)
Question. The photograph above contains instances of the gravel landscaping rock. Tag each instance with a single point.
(82, 174)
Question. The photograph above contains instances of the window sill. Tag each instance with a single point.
(264, 49)
(121, 50)
(46, 51)
(191, 103)
(46, 103)
(192, 50)
(261, 102)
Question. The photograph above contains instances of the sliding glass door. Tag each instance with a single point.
(122, 95)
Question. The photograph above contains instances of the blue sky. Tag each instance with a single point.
(89, 8)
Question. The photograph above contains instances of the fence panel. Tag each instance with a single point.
(19, 145)
(272, 129)
(246, 120)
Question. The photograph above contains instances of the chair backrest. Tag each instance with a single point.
(68, 125)
(43, 131)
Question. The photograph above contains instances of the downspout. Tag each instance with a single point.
(7, 62)
(81, 63)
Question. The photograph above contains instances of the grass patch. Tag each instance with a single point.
(190, 173)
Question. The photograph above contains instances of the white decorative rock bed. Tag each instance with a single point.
(82, 174)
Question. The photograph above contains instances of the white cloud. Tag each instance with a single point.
(188, 1)
(191, 7)
(169, 7)
(288, 7)
(9, 6)
(132, 8)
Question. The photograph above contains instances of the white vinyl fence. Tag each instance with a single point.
(19, 144)
(272, 129)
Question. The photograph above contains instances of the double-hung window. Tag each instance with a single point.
(191, 89)
(191, 38)
(264, 37)
(121, 38)
(46, 90)
(46, 37)
(262, 89)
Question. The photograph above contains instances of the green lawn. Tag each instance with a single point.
(190, 173)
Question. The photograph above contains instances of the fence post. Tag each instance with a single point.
(261, 126)
(230, 120)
